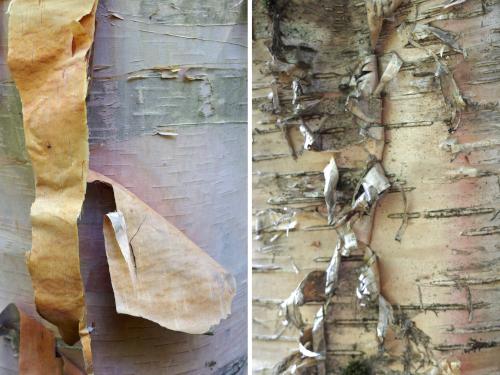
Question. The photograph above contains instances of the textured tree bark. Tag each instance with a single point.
(157, 69)
(441, 276)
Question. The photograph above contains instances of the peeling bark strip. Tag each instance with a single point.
(159, 274)
(48, 56)
(166, 278)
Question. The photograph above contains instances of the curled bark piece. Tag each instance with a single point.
(375, 178)
(312, 342)
(385, 317)
(377, 10)
(297, 93)
(318, 340)
(306, 352)
(309, 290)
(332, 272)
(309, 137)
(423, 31)
(48, 54)
(368, 292)
(450, 90)
(452, 3)
(295, 364)
(374, 184)
(117, 221)
(389, 73)
(331, 174)
(34, 344)
(275, 97)
(272, 220)
(157, 273)
(359, 101)
(404, 223)
(290, 310)
(349, 241)
(368, 288)
(447, 367)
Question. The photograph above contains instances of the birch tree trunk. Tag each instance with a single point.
(157, 68)
(442, 276)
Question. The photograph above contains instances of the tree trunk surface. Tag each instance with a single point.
(442, 277)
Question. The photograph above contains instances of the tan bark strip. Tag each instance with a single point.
(157, 273)
(48, 56)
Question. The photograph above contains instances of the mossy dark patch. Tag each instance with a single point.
(357, 367)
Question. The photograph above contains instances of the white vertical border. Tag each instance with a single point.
(249, 180)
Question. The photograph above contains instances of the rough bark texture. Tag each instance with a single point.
(157, 67)
(442, 275)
